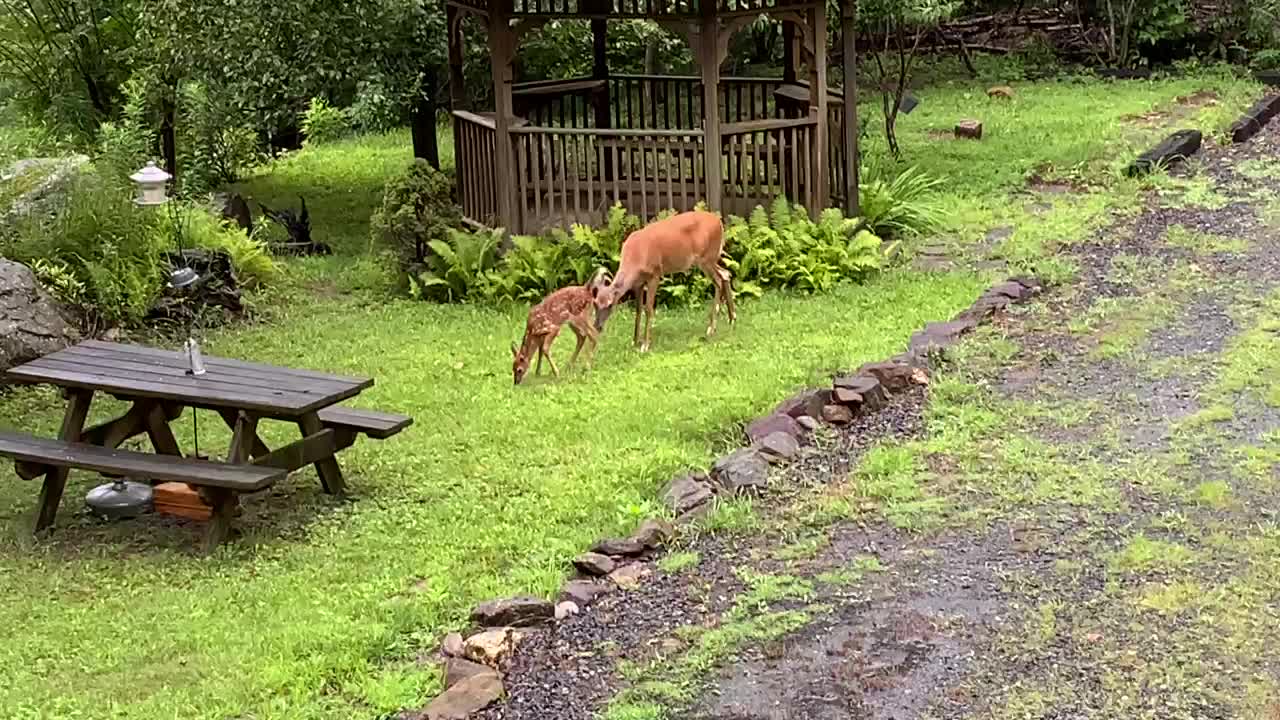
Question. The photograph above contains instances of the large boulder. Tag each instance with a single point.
(34, 186)
(32, 323)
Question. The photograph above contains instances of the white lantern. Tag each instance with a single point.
(151, 182)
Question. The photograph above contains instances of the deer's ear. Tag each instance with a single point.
(514, 353)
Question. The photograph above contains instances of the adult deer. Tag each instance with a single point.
(666, 247)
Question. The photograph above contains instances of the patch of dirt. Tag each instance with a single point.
(1182, 107)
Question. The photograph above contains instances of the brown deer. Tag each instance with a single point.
(666, 247)
(570, 305)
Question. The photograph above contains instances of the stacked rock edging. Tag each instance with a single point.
(473, 666)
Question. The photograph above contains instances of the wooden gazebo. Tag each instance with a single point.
(556, 152)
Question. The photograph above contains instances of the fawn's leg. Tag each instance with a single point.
(651, 296)
(727, 280)
(582, 338)
(545, 350)
(586, 333)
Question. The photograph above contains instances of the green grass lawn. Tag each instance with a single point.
(323, 607)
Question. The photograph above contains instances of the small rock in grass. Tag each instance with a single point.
(872, 392)
(845, 396)
(594, 564)
(467, 697)
(892, 375)
(779, 446)
(686, 492)
(517, 612)
(628, 577)
(837, 414)
(743, 470)
(763, 427)
(565, 609)
(1000, 91)
(618, 547)
(493, 647)
(807, 422)
(451, 646)
(654, 533)
(971, 129)
(582, 592)
(809, 403)
(457, 669)
(919, 376)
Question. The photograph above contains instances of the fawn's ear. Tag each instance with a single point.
(514, 353)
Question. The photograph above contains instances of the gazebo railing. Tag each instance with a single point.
(474, 137)
(566, 175)
(767, 159)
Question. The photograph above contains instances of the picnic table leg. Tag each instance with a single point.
(328, 470)
(158, 430)
(55, 480)
(223, 502)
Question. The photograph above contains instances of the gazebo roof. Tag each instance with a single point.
(629, 9)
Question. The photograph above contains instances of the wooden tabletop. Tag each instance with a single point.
(134, 371)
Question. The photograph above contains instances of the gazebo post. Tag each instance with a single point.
(709, 58)
(848, 37)
(600, 71)
(457, 85)
(501, 50)
(788, 52)
(820, 195)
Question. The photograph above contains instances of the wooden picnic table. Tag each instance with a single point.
(159, 388)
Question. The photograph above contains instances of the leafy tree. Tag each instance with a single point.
(900, 25)
(66, 61)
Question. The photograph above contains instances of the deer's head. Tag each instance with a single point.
(606, 294)
(520, 363)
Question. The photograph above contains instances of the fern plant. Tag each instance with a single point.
(458, 268)
(900, 206)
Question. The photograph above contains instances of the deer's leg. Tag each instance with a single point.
(651, 297)
(717, 282)
(638, 292)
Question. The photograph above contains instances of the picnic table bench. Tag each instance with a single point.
(159, 388)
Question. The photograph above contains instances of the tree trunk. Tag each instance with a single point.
(423, 122)
(168, 133)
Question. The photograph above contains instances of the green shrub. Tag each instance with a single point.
(201, 227)
(99, 240)
(778, 249)
(458, 268)
(785, 249)
(323, 123)
(417, 209)
(216, 146)
(899, 206)
(376, 109)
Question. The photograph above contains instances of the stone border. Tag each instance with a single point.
(1255, 118)
(473, 666)
(1174, 149)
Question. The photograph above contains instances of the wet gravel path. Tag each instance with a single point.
(1016, 610)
